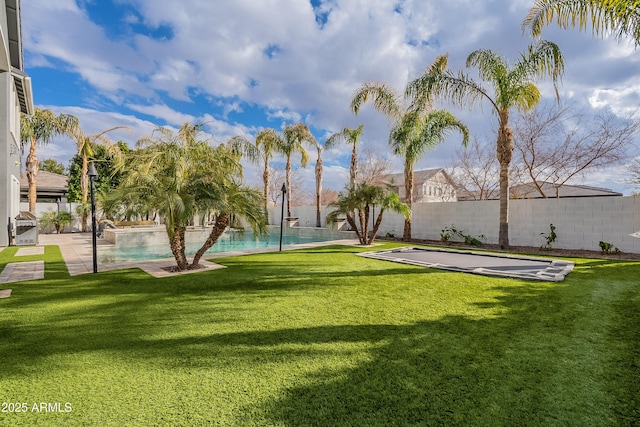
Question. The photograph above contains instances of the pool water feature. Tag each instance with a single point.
(230, 241)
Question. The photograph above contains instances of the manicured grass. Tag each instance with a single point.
(323, 337)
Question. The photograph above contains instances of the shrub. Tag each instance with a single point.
(607, 248)
(550, 238)
(448, 233)
(55, 220)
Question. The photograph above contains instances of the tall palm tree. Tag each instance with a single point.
(267, 143)
(40, 128)
(407, 115)
(351, 137)
(318, 172)
(292, 142)
(413, 136)
(618, 17)
(511, 86)
(84, 145)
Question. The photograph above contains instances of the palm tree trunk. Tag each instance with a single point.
(318, 190)
(31, 167)
(352, 223)
(408, 189)
(376, 227)
(265, 192)
(363, 225)
(220, 225)
(366, 222)
(504, 152)
(353, 169)
(178, 247)
(84, 184)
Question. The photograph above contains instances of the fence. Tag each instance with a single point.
(581, 222)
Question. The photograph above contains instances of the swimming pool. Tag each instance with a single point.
(229, 241)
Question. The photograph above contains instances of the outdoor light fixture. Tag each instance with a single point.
(284, 191)
(92, 173)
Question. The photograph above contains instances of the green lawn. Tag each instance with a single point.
(322, 337)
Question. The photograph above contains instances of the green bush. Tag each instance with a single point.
(54, 220)
(550, 238)
(607, 248)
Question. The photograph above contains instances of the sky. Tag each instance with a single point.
(243, 65)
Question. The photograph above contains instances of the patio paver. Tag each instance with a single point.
(21, 271)
(32, 250)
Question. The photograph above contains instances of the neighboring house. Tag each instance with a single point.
(50, 187)
(429, 185)
(529, 191)
(15, 97)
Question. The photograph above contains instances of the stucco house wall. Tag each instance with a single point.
(15, 97)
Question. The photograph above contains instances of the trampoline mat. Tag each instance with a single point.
(490, 264)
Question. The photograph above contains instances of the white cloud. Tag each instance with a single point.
(163, 112)
(274, 57)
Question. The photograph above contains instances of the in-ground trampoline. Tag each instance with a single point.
(491, 264)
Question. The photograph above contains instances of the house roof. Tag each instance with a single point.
(46, 182)
(16, 57)
(529, 191)
(419, 177)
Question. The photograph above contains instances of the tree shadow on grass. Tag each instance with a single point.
(533, 366)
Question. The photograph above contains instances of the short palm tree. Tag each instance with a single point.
(413, 136)
(292, 142)
(619, 17)
(40, 128)
(511, 86)
(351, 137)
(181, 176)
(356, 203)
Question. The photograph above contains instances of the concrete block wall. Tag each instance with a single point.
(581, 222)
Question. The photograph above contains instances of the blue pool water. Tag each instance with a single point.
(230, 241)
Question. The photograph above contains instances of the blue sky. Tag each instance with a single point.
(243, 65)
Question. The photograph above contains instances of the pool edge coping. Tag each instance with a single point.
(76, 250)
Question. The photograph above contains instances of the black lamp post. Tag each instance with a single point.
(93, 175)
(284, 191)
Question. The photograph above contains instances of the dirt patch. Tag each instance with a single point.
(174, 268)
(531, 250)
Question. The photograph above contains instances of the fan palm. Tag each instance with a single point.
(511, 86)
(40, 128)
(292, 142)
(351, 137)
(619, 17)
(413, 136)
